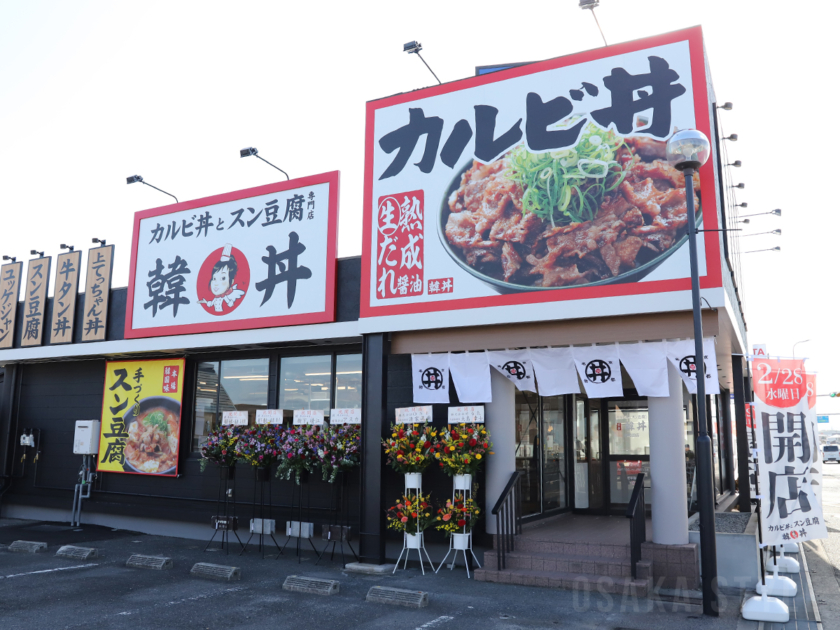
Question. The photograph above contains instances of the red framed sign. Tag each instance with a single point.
(541, 184)
(252, 258)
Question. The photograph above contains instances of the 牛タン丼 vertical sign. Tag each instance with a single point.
(789, 462)
(141, 417)
(64, 297)
(249, 259)
(9, 291)
(35, 301)
(97, 291)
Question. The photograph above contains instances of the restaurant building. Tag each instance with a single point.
(524, 241)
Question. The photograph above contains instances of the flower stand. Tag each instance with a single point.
(225, 519)
(413, 541)
(461, 542)
(338, 532)
(300, 529)
(262, 525)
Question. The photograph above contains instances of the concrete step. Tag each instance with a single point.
(604, 550)
(576, 564)
(570, 581)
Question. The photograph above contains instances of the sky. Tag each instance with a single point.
(93, 91)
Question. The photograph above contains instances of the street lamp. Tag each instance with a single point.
(687, 151)
(414, 48)
(793, 352)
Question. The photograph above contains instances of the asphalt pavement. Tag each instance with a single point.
(823, 556)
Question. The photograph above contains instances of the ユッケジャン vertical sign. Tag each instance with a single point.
(9, 291)
(538, 192)
(249, 259)
(141, 417)
(789, 462)
(97, 292)
(35, 301)
(68, 267)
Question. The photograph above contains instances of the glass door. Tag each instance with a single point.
(541, 452)
(589, 464)
(628, 429)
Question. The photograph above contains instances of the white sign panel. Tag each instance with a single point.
(346, 416)
(269, 416)
(466, 415)
(237, 418)
(536, 192)
(249, 259)
(760, 350)
(789, 462)
(414, 415)
(308, 416)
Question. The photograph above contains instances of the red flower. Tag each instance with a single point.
(427, 444)
(473, 442)
(414, 515)
(469, 431)
(485, 445)
(414, 433)
(461, 523)
(454, 434)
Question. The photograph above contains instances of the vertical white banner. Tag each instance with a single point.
(430, 378)
(682, 355)
(599, 370)
(515, 366)
(555, 371)
(471, 375)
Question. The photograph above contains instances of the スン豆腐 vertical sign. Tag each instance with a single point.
(9, 291)
(789, 462)
(64, 297)
(541, 189)
(141, 417)
(97, 291)
(35, 301)
(250, 259)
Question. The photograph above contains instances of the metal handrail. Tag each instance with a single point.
(508, 513)
(637, 521)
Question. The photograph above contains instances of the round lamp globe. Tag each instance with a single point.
(688, 148)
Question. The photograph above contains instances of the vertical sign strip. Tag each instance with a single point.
(68, 267)
(141, 417)
(35, 301)
(97, 291)
(9, 292)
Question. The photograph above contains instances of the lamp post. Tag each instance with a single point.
(793, 352)
(687, 151)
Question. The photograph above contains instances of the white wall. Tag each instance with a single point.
(499, 417)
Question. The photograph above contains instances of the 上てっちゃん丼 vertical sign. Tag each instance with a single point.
(97, 292)
(141, 417)
(536, 192)
(249, 259)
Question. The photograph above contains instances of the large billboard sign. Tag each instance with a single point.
(248, 259)
(538, 192)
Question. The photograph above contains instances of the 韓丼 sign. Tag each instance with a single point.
(789, 462)
(413, 415)
(308, 416)
(10, 276)
(249, 259)
(346, 416)
(535, 192)
(466, 415)
(141, 417)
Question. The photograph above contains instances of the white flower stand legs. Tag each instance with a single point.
(413, 541)
(461, 541)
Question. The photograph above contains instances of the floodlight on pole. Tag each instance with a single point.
(727, 106)
(101, 241)
(741, 186)
(35, 252)
(687, 151)
(249, 151)
(777, 213)
(591, 5)
(414, 48)
(11, 258)
(736, 164)
(776, 232)
(733, 137)
(138, 179)
(68, 247)
(771, 249)
(741, 205)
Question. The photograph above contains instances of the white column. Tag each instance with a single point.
(500, 418)
(667, 465)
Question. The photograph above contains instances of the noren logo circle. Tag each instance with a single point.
(515, 369)
(432, 378)
(688, 365)
(598, 371)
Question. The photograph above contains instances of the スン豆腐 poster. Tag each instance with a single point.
(538, 192)
(141, 417)
(249, 259)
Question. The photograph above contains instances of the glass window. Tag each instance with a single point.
(305, 383)
(629, 428)
(244, 387)
(527, 451)
(348, 381)
(554, 453)
(623, 478)
(206, 396)
(580, 430)
(715, 436)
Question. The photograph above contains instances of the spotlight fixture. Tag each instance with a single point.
(414, 48)
(35, 252)
(777, 232)
(12, 258)
(777, 212)
(726, 106)
(745, 221)
(733, 137)
(247, 151)
(772, 249)
(70, 247)
(101, 241)
(741, 205)
(736, 164)
(591, 5)
(135, 179)
(741, 186)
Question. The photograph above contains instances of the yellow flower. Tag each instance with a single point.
(437, 455)
(478, 455)
(394, 435)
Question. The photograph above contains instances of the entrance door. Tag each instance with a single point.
(589, 463)
(628, 441)
(541, 452)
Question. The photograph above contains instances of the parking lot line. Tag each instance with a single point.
(80, 566)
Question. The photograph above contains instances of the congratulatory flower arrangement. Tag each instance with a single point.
(462, 448)
(411, 448)
(220, 447)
